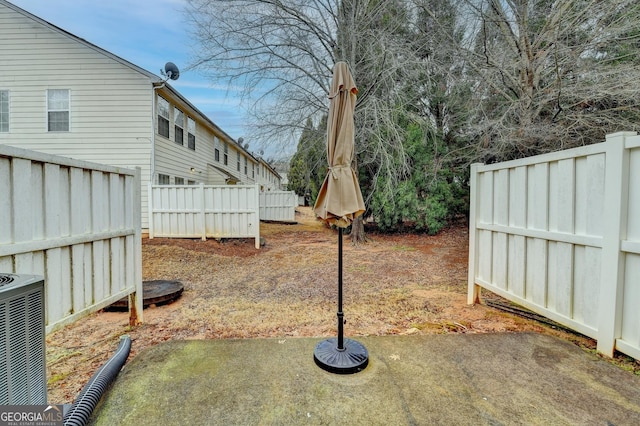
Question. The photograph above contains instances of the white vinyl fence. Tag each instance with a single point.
(560, 234)
(279, 206)
(220, 211)
(75, 223)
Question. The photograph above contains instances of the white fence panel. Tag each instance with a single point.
(220, 211)
(628, 339)
(278, 206)
(560, 234)
(75, 223)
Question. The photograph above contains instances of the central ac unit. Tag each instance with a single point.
(23, 373)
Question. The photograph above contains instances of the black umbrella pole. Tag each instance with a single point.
(340, 313)
(342, 356)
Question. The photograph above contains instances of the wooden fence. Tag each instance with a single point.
(199, 211)
(279, 206)
(560, 234)
(75, 223)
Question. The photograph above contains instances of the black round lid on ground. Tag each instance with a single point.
(155, 292)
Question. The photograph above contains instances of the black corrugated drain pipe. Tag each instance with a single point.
(90, 395)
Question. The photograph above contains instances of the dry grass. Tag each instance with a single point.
(400, 284)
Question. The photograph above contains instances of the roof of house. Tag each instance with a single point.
(223, 172)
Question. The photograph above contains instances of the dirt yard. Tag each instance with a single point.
(394, 284)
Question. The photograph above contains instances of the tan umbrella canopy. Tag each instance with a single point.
(340, 199)
(339, 202)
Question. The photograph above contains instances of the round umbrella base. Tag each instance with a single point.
(352, 359)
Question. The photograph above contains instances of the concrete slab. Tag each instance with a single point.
(490, 379)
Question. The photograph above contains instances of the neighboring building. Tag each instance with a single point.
(62, 95)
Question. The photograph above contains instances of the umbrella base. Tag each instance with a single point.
(352, 359)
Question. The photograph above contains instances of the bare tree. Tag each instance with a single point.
(552, 74)
(282, 54)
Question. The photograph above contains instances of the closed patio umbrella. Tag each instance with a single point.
(339, 202)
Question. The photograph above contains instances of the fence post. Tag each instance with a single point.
(473, 292)
(257, 204)
(136, 299)
(616, 192)
(150, 203)
(203, 213)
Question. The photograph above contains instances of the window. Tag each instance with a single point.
(179, 180)
(191, 133)
(4, 111)
(178, 118)
(216, 145)
(163, 179)
(253, 171)
(191, 182)
(245, 166)
(58, 110)
(226, 154)
(163, 117)
(238, 161)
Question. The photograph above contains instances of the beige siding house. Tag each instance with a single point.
(62, 95)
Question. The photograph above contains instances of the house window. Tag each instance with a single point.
(4, 111)
(226, 154)
(216, 146)
(238, 161)
(163, 179)
(191, 133)
(191, 182)
(178, 118)
(245, 166)
(163, 117)
(58, 110)
(179, 180)
(253, 171)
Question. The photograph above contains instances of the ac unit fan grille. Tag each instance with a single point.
(6, 279)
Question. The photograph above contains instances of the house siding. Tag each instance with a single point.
(177, 160)
(110, 103)
(113, 118)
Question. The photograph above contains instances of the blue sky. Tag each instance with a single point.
(148, 33)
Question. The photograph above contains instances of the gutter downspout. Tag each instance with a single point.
(154, 108)
(153, 130)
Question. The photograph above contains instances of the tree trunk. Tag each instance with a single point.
(357, 231)
(357, 226)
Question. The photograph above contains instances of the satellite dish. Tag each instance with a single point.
(246, 145)
(240, 140)
(171, 71)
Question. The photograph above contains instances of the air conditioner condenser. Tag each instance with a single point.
(23, 372)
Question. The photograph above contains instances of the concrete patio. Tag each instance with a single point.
(476, 379)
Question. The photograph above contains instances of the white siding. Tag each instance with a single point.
(178, 160)
(111, 103)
